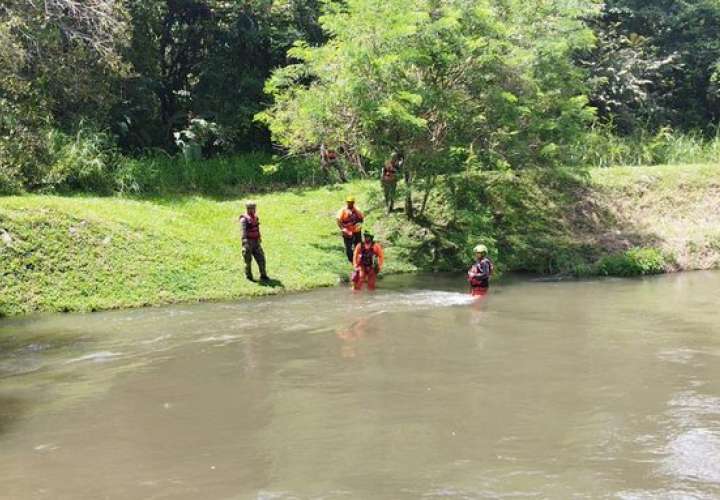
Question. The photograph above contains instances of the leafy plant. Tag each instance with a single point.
(440, 81)
(81, 162)
(633, 262)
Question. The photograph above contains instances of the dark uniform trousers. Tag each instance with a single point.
(350, 243)
(253, 248)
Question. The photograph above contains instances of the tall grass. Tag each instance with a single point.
(89, 161)
(602, 148)
(242, 173)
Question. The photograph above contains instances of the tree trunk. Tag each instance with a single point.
(409, 211)
(428, 188)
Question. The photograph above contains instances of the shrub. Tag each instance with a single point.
(633, 262)
(600, 147)
(83, 162)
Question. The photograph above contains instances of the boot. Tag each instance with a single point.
(263, 273)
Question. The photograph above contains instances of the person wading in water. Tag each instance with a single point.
(251, 242)
(389, 179)
(480, 272)
(368, 260)
(350, 220)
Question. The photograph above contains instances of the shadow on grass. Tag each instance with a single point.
(271, 283)
(181, 197)
(339, 249)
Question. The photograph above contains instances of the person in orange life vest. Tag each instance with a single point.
(350, 220)
(389, 179)
(480, 272)
(327, 156)
(251, 242)
(368, 260)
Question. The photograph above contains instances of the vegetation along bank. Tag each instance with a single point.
(84, 253)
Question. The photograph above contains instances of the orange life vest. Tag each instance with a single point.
(350, 220)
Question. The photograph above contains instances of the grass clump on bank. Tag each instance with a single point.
(633, 262)
(90, 253)
(603, 148)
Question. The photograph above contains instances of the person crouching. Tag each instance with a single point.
(480, 272)
(368, 260)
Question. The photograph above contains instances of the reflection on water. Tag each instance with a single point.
(553, 390)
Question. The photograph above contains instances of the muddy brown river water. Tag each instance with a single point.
(587, 389)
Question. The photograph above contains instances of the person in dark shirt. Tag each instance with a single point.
(480, 272)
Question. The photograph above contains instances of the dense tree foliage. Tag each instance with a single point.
(454, 84)
(447, 83)
(656, 63)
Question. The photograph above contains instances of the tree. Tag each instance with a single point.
(445, 82)
(208, 59)
(60, 63)
(655, 62)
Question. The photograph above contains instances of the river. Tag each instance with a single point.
(584, 389)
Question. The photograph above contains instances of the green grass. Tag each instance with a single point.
(603, 148)
(675, 207)
(84, 253)
(218, 177)
(89, 253)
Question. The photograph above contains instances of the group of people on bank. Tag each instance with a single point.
(366, 256)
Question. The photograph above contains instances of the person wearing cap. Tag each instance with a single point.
(368, 260)
(349, 220)
(251, 241)
(480, 272)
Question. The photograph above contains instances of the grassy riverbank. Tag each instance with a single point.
(674, 209)
(90, 253)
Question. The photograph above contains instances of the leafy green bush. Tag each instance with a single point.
(23, 149)
(10, 182)
(633, 262)
(83, 162)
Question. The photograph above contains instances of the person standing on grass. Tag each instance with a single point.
(389, 179)
(251, 242)
(350, 220)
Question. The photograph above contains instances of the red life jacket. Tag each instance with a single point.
(252, 226)
(485, 266)
(389, 171)
(368, 256)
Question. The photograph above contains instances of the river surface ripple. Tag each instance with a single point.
(580, 389)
